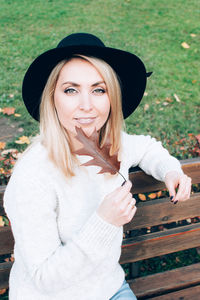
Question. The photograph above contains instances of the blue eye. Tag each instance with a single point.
(69, 91)
(99, 91)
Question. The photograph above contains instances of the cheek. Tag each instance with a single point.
(64, 108)
(105, 107)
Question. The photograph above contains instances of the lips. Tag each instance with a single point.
(85, 120)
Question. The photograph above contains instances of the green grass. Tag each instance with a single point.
(152, 29)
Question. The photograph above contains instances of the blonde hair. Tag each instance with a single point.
(54, 136)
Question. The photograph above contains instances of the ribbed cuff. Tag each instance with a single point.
(97, 235)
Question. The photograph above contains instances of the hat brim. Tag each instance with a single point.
(129, 68)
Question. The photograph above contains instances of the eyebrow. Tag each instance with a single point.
(76, 84)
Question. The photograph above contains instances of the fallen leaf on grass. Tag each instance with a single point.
(2, 145)
(152, 195)
(177, 98)
(165, 103)
(194, 81)
(169, 100)
(17, 115)
(146, 107)
(8, 111)
(11, 95)
(2, 171)
(185, 45)
(142, 197)
(198, 138)
(2, 291)
(23, 140)
(159, 194)
(193, 35)
(1, 221)
(5, 152)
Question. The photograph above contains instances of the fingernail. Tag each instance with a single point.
(175, 201)
(171, 198)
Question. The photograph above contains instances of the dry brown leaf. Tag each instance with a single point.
(17, 115)
(5, 152)
(152, 195)
(23, 140)
(193, 35)
(165, 103)
(2, 145)
(177, 98)
(185, 45)
(198, 138)
(2, 291)
(169, 100)
(142, 197)
(146, 107)
(100, 156)
(8, 111)
(2, 223)
(159, 194)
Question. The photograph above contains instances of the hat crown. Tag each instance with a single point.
(80, 39)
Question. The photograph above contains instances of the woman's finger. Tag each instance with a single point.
(184, 189)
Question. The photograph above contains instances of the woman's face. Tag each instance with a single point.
(81, 97)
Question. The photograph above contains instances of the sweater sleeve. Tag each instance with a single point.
(150, 156)
(52, 265)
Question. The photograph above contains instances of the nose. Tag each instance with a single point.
(85, 101)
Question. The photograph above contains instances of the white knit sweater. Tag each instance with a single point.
(63, 249)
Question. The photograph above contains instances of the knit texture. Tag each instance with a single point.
(63, 248)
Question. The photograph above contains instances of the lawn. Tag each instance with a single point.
(154, 30)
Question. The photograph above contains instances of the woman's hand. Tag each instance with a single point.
(175, 180)
(118, 207)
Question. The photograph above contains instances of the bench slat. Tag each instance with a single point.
(167, 281)
(4, 274)
(143, 183)
(6, 239)
(186, 294)
(160, 243)
(162, 211)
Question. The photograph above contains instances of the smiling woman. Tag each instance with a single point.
(81, 98)
(71, 246)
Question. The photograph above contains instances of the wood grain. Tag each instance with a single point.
(162, 211)
(165, 282)
(6, 240)
(4, 274)
(160, 243)
(192, 293)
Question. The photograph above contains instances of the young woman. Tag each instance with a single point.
(67, 217)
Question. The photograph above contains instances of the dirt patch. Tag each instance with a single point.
(8, 130)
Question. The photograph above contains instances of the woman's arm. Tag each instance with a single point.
(52, 265)
(155, 160)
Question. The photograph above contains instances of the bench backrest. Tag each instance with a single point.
(149, 213)
(162, 211)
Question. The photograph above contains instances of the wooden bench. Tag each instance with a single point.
(180, 283)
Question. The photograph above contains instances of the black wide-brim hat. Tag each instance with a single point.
(129, 68)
